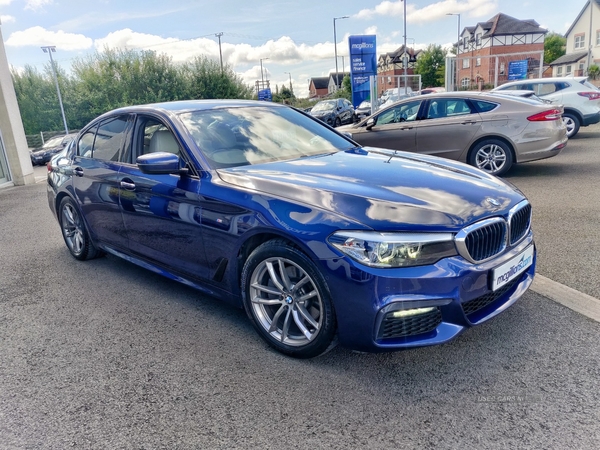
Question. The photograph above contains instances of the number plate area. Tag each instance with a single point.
(511, 269)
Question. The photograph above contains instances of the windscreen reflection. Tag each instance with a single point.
(239, 136)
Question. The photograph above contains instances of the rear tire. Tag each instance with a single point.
(75, 232)
(492, 156)
(287, 300)
(572, 123)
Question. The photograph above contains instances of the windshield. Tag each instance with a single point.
(230, 137)
(54, 142)
(325, 106)
(365, 104)
(589, 85)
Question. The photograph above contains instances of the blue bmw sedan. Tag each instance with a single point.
(320, 240)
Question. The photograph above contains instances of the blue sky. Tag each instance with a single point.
(296, 36)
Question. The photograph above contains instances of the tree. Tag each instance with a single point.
(38, 99)
(554, 47)
(345, 91)
(115, 78)
(429, 63)
(284, 95)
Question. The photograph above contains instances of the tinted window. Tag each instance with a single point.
(447, 107)
(86, 143)
(589, 85)
(109, 138)
(483, 106)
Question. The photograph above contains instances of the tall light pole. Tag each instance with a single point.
(457, 46)
(262, 76)
(405, 57)
(49, 49)
(291, 90)
(335, 49)
(218, 35)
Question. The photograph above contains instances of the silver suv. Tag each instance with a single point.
(580, 98)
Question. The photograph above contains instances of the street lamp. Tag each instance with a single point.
(49, 49)
(335, 49)
(291, 90)
(262, 77)
(457, 45)
(405, 57)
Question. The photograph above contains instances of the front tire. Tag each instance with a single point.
(287, 300)
(75, 232)
(337, 122)
(572, 123)
(492, 156)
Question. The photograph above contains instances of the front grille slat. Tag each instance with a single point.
(486, 241)
(487, 238)
(520, 223)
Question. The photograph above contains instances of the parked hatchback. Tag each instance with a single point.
(318, 239)
(334, 112)
(580, 98)
(490, 132)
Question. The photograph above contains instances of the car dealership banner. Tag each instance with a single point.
(517, 70)
(363, 65)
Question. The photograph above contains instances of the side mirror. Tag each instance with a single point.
(370, 123)
(159, 163)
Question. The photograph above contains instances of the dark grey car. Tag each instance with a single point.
(334, 112)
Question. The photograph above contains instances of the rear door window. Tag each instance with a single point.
(483, 106)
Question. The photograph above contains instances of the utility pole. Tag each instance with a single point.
(218, 35)
(49, 49)
(337, 81)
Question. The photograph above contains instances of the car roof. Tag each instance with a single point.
(546, 80)
(195, 105)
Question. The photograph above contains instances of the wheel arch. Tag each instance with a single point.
(574, 112)
(511, 146)
(254, 241)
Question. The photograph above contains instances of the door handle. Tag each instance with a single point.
(78, 171)
(406, 128)
(127, 186)
(469, 122)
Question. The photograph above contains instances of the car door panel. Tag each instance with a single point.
(161, 212)
(394, 128)
(448, 128)
(96, 180)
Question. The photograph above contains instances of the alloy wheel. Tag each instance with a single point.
(72, 228)
(490, 158)
(286, 302)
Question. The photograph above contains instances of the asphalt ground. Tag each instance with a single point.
(104, 354)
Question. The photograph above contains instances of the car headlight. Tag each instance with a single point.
(375, 249)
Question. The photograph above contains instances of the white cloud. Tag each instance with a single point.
(5, 2)
(281, 51)
(38, 36)
(36, 5)
(7, 19)
(432, 12)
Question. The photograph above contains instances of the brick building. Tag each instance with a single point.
(318, 87)
(486, 49)
(390, 65)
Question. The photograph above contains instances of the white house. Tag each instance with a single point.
(583, 43)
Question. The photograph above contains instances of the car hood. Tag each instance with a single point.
(383, 189)
(42, 150)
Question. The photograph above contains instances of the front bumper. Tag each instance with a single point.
(453, 295)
